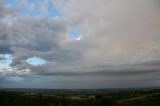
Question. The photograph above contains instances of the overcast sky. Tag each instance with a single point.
(79, 43)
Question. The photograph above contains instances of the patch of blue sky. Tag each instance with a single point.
(52, 11)
(74, 33)
(5, 63)
(35, 61)
(24, 10)
(39, 2)
(11, 3)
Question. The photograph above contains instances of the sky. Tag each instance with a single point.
(79, 44)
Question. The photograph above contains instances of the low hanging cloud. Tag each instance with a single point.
(121, 36)
(118, 38)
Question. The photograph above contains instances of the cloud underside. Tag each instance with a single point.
(118, 38)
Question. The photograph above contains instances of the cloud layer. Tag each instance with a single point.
(119, 42)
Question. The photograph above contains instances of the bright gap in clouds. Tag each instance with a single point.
(5, 61)
(74, 35)
(35, 61)
(11, 3)
(52, 11)
(34, 7)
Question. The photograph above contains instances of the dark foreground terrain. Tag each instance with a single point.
(112, 97)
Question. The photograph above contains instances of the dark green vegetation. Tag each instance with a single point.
(127, 97)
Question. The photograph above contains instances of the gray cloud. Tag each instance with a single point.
(4, 10)
(118, 39)
(119, 70)
(119, 32)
